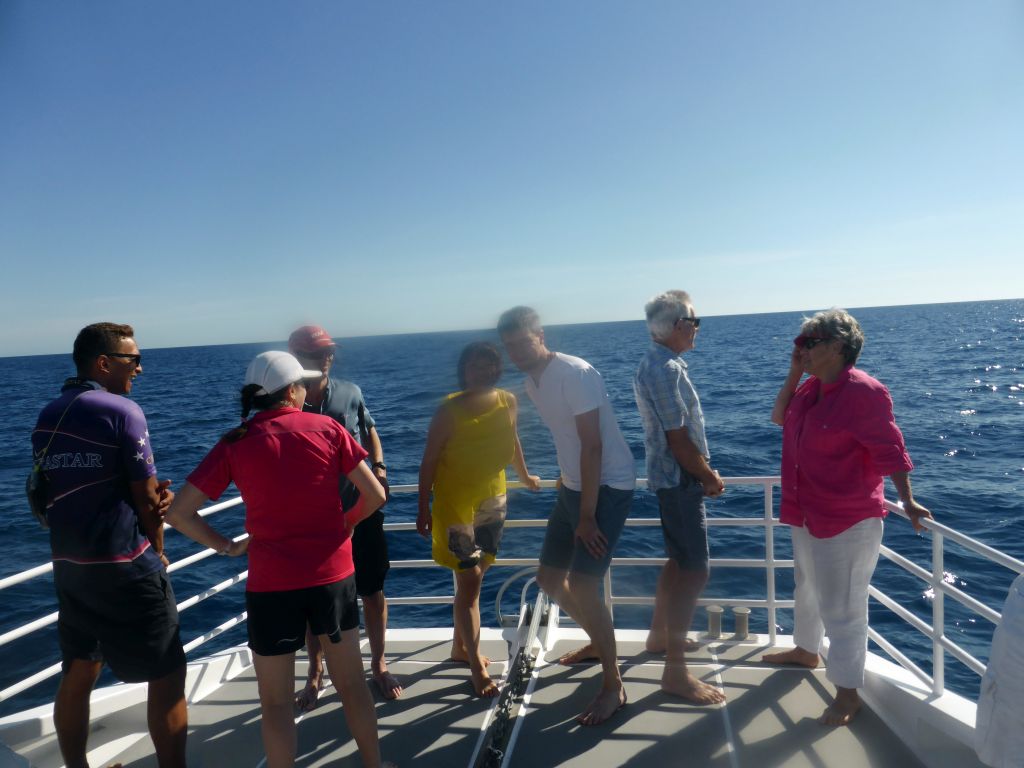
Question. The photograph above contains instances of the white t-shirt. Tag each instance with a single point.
(569, 387)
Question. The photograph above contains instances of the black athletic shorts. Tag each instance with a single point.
(277, 620)
(370, 554)
(131, 625)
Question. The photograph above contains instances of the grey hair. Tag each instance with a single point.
(519, 319)
(664, 311)
(839, 324)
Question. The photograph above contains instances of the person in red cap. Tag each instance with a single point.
(343, 401)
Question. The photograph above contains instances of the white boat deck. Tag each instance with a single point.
(769, 718)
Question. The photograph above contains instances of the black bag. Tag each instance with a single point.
(36, 487)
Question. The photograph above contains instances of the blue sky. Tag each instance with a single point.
(221, 172)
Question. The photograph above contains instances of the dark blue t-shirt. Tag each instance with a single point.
(100, 446)
(343, 402)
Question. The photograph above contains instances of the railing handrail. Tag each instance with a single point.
(977, 547)
(940, 532)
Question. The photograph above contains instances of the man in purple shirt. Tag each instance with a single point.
(104, 506)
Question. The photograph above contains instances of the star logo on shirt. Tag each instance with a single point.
(142, 441)
(139, 456)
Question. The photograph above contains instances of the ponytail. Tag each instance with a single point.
(251, 400)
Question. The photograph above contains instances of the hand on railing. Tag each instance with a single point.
(236, 548)
(916, 512)
(532, 482)
(713, 484)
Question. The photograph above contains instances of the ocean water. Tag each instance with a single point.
(955, 371)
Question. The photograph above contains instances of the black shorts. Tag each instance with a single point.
(277, 620)
(131, 625)
(684, 523)
(370, 554)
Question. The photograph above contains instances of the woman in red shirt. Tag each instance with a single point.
(839, 441)
(287, 465)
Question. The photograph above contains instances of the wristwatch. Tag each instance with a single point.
(379, 465)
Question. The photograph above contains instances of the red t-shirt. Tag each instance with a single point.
(836, 452)
(287, 467)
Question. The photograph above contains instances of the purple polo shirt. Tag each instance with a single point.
(99, 448)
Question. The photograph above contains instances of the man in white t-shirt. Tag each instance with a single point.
(597, 481)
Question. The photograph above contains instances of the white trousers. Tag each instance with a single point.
(831, 595)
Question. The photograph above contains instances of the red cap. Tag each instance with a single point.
(310, 338)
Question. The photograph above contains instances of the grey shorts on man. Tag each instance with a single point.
(563, 551)
(684, 523)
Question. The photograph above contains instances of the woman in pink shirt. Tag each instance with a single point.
(839, 441)
(287, 465)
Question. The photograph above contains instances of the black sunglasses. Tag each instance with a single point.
(321, 355)
(809, 342)
(695, 321)
(135, 360)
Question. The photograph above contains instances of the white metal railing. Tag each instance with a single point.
(941, 644)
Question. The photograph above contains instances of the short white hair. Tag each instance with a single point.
(664, 311)
(839, 324)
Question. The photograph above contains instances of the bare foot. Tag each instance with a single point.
(656, 643)
(842, 709)
(678, 681)
(460, 656)
(306, 699)
(604, 706)
(388, 684)
(587, 653)
(793, 656)
(484, 687)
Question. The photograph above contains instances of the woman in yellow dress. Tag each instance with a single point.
(472, 439)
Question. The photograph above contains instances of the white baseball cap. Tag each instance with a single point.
(276, 370)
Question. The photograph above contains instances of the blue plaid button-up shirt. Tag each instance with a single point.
(666, 400)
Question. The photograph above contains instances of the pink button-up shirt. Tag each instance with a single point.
(837, 451)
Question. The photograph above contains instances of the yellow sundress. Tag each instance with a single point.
(468, 512)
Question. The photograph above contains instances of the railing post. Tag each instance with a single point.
(769, 556)
(938, 615)
(608, 593)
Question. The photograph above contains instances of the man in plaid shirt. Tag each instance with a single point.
(678, 471)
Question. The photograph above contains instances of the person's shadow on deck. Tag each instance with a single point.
(436, 721)
(770, 720)
(656, 728)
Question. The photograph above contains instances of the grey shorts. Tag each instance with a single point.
(684, 524)
(561, 548)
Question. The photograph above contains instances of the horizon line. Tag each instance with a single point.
(546, 325)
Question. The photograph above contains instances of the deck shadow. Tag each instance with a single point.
(436, 721)
(770, 719)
